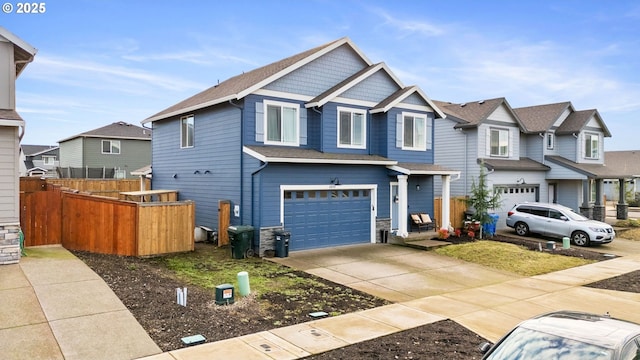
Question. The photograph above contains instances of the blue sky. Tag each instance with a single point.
(104, 61)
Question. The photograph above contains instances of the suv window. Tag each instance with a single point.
(540, 211)
(524, 209)
(555, 214)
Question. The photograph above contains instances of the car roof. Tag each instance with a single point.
(549, 205)
(600, 330)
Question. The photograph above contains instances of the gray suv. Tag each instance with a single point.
(558, 221)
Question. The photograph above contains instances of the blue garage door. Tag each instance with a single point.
(323, 218)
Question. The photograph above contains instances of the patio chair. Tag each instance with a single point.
(422, 221)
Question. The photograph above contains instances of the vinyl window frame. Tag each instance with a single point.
(416, 143)
(352, 125)
(112, 145)
(499, 147)
(283, 122)
(187, 131)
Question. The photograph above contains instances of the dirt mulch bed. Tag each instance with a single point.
(148, 290)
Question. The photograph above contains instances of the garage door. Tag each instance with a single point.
(511, 195)
(323, 218)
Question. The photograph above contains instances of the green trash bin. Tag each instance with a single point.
(241, 238)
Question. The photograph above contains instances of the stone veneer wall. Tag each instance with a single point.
(267, 241)
(9, 244)
(383, 224)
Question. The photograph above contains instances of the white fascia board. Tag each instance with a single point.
(406, 171)
(17, 41)
(11, 122)
(267, 159)
(191, 108)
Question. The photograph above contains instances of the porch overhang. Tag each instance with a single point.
(284, 154)
(522, 164)
(422, 169)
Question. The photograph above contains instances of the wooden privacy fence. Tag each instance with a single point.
(101, 187)
(104, 225)
(456, 211)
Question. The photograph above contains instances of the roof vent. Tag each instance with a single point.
(481, 102)
(463, 104)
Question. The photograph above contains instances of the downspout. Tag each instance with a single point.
(241, 156)
(315, 108)
(264, 165)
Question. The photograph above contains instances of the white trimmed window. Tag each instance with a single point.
(499, 142)
(111, 147)
(48, 160)
(282, 123)
(550, 141)
(187, 131)
(352, 128)
(414, 129)
(591, 146)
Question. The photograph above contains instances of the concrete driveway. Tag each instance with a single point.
(392, 272)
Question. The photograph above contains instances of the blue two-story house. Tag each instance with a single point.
(325, 144)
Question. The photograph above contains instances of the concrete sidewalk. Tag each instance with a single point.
(428, 288)
(55, 307)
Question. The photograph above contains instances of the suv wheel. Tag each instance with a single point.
(580, 238)
(522, 229)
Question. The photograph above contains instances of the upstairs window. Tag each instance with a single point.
(351, 128)
(550, 141)
(187, 131)
(414, 132)
(282, 123)
(499, 142)
(48, 160)
(591, 146)
(111, 147)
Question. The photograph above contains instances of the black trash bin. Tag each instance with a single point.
(282, 243)
(241, 238)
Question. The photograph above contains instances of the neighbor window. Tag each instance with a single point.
(550, 141)
(351, 128)
(499, 142)
(111, 147)
(415, 130)
(187, 131)
(48, 160)
(282, 123)
(591, 148)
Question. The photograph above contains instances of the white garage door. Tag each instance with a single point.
(511, 195)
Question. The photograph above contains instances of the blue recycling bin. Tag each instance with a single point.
(490, 228)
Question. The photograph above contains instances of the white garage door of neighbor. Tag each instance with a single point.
(511, 195)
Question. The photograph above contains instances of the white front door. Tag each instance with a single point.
(552, 193)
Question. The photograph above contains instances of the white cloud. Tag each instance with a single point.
(406, 27)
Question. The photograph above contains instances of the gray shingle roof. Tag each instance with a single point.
(230, 88)
(576, 122)
(119, 130)
(540, 118)
(471, 114)
(623, 162)
(597, 171)
(7, 114)
(29, 150)
(524, 164)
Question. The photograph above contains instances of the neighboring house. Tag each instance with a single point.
(549, 153)
(112, 151)
(325, 144)
(39, 160)
(15, 55)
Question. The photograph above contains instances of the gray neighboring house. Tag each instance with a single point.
(549, 153)
(39, 160)
(15, 54)
(112, 151)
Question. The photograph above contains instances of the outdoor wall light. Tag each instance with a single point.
(418, 187)
(174, 176)
(335, 181)
(520, 181)
(197, 172)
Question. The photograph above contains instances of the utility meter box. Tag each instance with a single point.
(225, 294)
